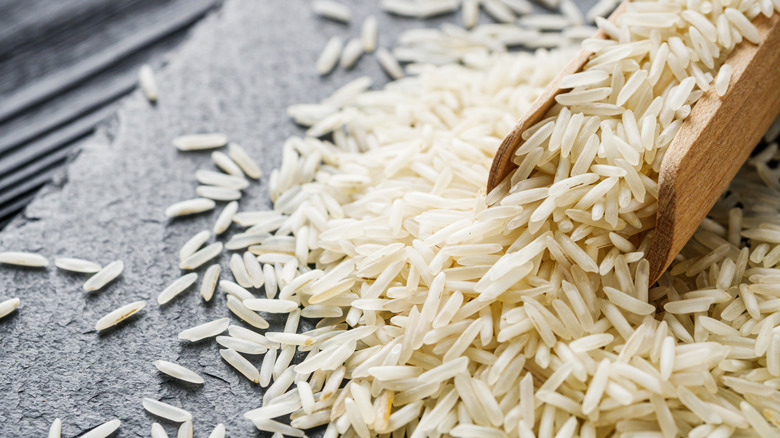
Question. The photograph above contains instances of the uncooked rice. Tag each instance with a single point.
(351, 53)
(23, 259)
(158, 431)
(244, 161)
(218, 193)
(106, 275)
(147, 82)
(330, 55)
(523, 312)
(389, 64)
(55, 430)
(207, 330)
(197, 142)
(103, 430)
(193, 244)
(225, 218)
(190, 206)
(164, 410)
(368, 34)
(185, 430)
(77, 265)
(333, 10)
(177, 371)
(8, 306)
(408, 203)
(177, 287)
(210, 177)
(209, 282)
(218, 432)
(121, 314)
(241, 365)
(227, 165)
(201, 256)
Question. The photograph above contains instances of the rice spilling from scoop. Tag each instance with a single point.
(523, 311)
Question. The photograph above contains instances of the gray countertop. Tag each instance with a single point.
(240, 69)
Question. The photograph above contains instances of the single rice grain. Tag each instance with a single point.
(147, 82)
(106, 275)
(178, 371)
(190, 206)
(164, 410)
(240, 363)
(209, 283)
(77, 265)
(207, 330)
(104, 430)
(23, 259)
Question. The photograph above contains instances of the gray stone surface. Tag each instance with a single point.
(239, 70)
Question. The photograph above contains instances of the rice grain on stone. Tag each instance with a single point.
(23, 259)
(207, 330)
(106, 275)
(177, 287)
(178, 371)
(77, 265)
(121, 314)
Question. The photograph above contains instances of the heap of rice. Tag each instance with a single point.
(525, 312)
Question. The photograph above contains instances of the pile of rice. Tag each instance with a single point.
(527, 312)
(446, 311)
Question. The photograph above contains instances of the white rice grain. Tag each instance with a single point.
(185, 430)
(254, 270)
(389, 64)
(237, 307)
(333, 10)
(77, 265)
(330, 55)
(368, 34)
(164, 410)
(270, 306)
(104, 430)
(211, 178)
(197, 142)
(351, 53)
(209, 283)
(244, 161)
(177, 371)
(201, 256)
(158, 431)
(147, 82)
(225, 218)
(23, 259)
(226, 164)
(241, 345)
(55, 430)
(190, 206)
(104, 276)
(177, 287)
(207, 330)
(8, 306)
(218, 432)
(242, 365)
(723, 79)
(115, 317)
(218, 193)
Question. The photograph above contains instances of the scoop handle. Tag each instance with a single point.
(714, 142)
(502, 162)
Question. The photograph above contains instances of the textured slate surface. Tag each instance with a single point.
(241, 67)
(64, 65)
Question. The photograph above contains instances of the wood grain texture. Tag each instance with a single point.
(714, 142)
(502, 162)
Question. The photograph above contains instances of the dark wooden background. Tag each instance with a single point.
(63, 65)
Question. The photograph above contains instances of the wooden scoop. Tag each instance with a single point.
(711, 146)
